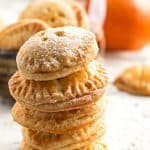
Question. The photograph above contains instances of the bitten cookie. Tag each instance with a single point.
(56, 53)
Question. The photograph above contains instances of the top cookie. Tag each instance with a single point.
(56, 13)
(56, 53)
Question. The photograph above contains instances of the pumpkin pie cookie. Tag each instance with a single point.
(96, 145)
(135, 80)
(72, 141)
(81, 15)
(13, 36)
(56, 53)
(56, 13)
(59, 122)
(72, 92)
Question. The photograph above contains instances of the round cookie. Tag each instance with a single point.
(13, 36)
(60, 122)
(135, 80)
(56, 13)
(72, 92)
(75, 140)
(56, 53)
(96, 145)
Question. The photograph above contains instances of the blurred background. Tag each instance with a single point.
(122, 28)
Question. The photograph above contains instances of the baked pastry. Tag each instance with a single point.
(13, 36)
(59, 122)
(96, 145)
(135, 80)
(75, 140)
(56, 53)
(72, 92)
(81, 16)
(56, 13)
(1, 24)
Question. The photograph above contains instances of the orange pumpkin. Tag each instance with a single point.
(127, 24)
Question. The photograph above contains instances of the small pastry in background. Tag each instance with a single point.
(135, 80)
(80, 13)
(13, 36)
(55, 12)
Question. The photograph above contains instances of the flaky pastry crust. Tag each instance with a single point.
(75, 140)
(135, 80)
(13, 36)
(72, 92)
(60, 122)
(56, 13)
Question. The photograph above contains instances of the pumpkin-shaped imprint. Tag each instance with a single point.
(13, 36)
(135, 80)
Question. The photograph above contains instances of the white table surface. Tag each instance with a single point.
(127, 116)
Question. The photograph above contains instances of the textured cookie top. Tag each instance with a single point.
(56, 13)
(13, 36)
(55, 53)
(135, 80)
(74, 86)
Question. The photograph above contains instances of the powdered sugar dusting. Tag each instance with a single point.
(56, 49)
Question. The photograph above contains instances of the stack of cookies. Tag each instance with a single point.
(59, 91)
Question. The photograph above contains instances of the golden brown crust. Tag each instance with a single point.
(1, 24)
(96, 145)
(13, 36)
(135, 80)
(56, 53)
(72, 92)
(81, 15)
(60, 122)
(75, 140)
(55, 12)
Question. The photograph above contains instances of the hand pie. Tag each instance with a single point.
(59, 122)
(135, 80)
(72, 141)
(96, 145)
(56, 53)
(81, 16)
(13, 36)
(72, 92)
(56, 13)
